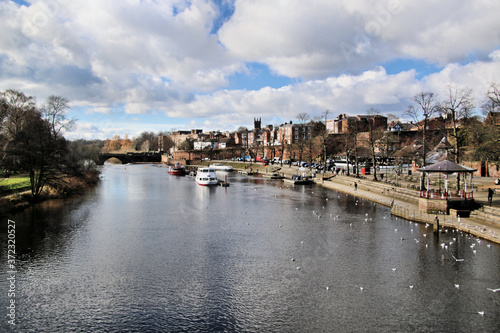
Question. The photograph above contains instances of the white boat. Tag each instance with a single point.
(177, 169)
(221, 167)
(206, 176)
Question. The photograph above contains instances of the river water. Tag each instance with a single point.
(149, 252)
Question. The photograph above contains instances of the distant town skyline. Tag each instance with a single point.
(134, 66)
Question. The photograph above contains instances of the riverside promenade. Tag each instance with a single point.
(403, 199)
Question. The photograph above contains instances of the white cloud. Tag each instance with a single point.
(351, 94)
(130, 57)
(321, 38)
(111, 44)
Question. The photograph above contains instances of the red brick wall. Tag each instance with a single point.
(484, 169)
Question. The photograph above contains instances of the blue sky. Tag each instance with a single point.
(129, 66)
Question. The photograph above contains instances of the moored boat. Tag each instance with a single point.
(206, 177)
(221, 167)
(177, 169)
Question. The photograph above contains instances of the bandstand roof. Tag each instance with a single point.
(446, 167)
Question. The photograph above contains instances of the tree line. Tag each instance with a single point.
(471, 137)
(31, 142)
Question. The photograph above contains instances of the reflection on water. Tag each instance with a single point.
(147, 251)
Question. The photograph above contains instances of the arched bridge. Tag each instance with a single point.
(131, 157)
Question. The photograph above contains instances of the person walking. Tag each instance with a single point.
(490, 195)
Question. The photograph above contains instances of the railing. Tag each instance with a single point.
(450, 195)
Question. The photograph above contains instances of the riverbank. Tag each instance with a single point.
(66, 187)
(402, 199)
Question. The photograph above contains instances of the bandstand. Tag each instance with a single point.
(442, 200)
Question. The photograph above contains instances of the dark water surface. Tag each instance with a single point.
(150, 252)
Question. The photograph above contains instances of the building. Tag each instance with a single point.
(493, 118)
(205, 144)
(432, 124)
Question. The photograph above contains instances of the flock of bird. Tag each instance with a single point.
(444, 245)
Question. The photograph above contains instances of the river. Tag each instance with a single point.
(145, 251)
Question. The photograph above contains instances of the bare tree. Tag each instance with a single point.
(427, 107)
(55, 113)
(301, 138)
(374, 135)
(493, 94)
(15, 108)
(351, 143)
(324, 138)
(457, 107)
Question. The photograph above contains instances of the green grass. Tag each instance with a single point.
(14, 183)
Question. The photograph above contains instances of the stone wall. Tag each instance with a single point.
(431, 206)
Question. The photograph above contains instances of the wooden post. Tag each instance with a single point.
(436, 224)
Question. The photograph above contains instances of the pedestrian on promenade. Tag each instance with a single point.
(355, 186)
(436, 224)
(490, 195)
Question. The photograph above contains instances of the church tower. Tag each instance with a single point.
(257, 123)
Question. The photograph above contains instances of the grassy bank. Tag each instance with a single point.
(15, 193)
(14, 184)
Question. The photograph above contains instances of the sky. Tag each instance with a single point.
(129, 66)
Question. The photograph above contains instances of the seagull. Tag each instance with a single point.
(361, 288)
(481, 313)
(394, 269)
(327, 288)
(293, 259)
(493, 290)
(457, 286)
(298, 267)
(411, 287)
(457, 259)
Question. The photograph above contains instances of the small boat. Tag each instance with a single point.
(177, 169)
(302, 181)
(274, 175)
(206, 177)
(221, 167)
